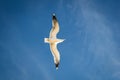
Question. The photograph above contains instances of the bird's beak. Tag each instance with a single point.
(63, 40)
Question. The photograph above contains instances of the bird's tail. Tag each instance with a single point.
(46, 40)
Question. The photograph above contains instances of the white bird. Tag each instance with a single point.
(53, 41)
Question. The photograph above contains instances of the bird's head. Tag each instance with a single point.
(61, 40)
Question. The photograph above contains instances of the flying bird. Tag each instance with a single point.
(53, 40)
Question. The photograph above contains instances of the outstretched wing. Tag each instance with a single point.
(55, 27)
(55, 53)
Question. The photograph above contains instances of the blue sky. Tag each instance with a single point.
(91, 50)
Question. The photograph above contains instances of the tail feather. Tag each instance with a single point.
(46, 40)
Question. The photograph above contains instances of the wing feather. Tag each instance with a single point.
(55, 52)
(55, 27)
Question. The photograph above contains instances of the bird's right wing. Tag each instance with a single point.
(55, 53)
(55, 27)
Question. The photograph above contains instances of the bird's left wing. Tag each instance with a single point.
(55, 53)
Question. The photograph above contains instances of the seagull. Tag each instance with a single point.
(53, 41)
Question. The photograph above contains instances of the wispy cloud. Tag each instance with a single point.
(99, 42)
(23, 57)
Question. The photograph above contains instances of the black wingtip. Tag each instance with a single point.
(56, 65)
(54, 17)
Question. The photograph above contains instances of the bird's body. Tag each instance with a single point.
(53, 41)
